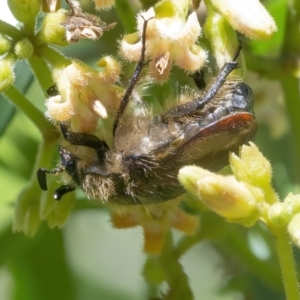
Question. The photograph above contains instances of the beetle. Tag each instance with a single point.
(141, 166)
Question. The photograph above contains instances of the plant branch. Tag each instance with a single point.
(41, 72)
(286, 262)
(34, 114)
(10, 31)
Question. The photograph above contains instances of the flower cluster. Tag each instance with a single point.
(87, 97)
(246, 197)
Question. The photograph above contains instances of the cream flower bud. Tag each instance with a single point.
(247, 17)
(189, 176)
(223, 194)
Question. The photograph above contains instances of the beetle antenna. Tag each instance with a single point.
(134, 78)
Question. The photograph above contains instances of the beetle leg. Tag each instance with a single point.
(190, 107)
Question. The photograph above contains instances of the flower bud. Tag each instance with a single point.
(5, 44)
(23, 49)
(223, 194)
(7, 75)
(294, 229)
(52, 32)
(279, 214)
(293, 202)
(247, 17)
(251, 166)
(189, 176)
(24, 11)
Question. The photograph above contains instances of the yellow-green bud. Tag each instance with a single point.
(280, 213)
(52, 32)
(24, 11)
(294, 229)
(189, 176)
(23, 49)
(251, 166)
(7, 76)
(293, 202)
(5, 44)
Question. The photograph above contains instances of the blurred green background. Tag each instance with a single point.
(88, 259)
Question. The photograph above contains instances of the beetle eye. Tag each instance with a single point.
(70, 166)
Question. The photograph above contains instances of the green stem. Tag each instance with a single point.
(41, 72)
(177, 280)
(34, 114)
(10, 31)
(287, 263)
(188, 241)
(53, 57)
